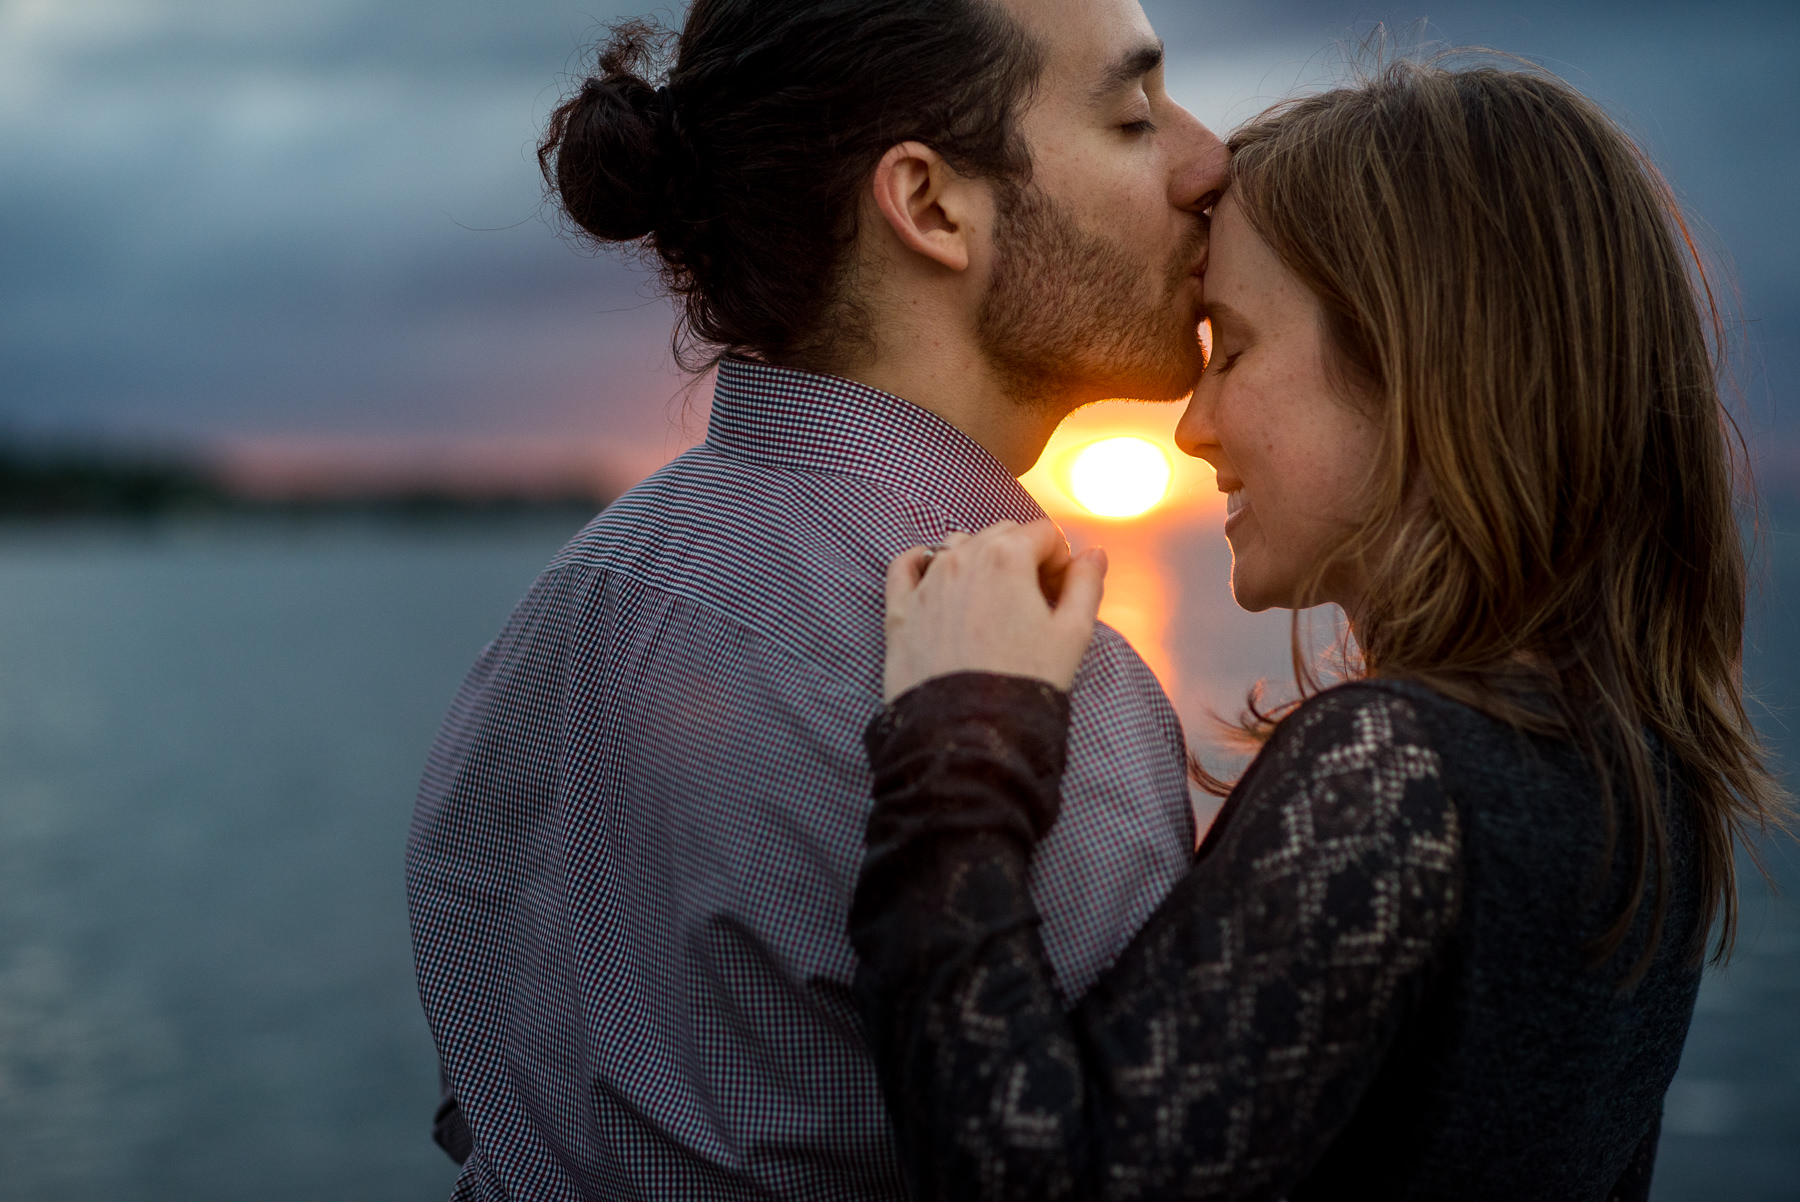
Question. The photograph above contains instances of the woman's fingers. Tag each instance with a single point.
(1005, 546)
(1040, 543)
(1084, 583)
(1009, 542)
(1046, 542)
(1010, 599)
(905, 572)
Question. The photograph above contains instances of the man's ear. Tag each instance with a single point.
(931, 207)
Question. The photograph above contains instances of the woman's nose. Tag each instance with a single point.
(1195, 433)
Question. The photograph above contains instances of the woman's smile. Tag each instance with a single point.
(1235, 503)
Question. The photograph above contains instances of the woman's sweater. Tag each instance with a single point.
(1373, 983)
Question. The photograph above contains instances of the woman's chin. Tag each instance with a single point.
(1249, 596)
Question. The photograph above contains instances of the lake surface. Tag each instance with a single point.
(209, 739)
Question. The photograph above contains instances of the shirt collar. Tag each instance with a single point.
(802, 421)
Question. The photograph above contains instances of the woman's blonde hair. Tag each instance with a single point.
(1510, 284)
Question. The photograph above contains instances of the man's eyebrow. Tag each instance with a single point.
(1133, 66)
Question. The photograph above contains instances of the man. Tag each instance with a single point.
(918, 233)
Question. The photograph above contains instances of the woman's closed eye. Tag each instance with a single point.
(1225, 334)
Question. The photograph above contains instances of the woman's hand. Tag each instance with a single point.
(1010, 599)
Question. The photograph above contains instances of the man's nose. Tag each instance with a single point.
(1202, 163)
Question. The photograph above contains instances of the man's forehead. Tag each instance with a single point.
(1090, 43)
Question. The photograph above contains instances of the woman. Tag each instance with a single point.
(1444, 939)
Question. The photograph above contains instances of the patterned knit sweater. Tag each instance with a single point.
(1373, 982)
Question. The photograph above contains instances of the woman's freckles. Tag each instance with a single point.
(1296, 448)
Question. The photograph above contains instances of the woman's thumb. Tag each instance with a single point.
(1083, 586)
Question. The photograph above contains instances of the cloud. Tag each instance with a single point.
(230, 216)
(235, 217)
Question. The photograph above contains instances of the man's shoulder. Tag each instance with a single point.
(708, 502)
(1116, 673)
(792, 559)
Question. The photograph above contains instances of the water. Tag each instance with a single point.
(209, 738)
(208, 746)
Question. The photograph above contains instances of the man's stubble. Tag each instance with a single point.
(1071, 314)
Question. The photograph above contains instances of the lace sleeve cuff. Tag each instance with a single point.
(973, 750)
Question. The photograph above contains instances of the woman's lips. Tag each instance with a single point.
(1235, 504)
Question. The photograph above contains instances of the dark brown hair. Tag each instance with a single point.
(1509, 283)
(741, 175)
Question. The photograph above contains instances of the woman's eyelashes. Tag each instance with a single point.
(1227, 339)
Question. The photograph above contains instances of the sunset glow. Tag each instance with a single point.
(1188, 494)
(1111, 477)
(1120, 477)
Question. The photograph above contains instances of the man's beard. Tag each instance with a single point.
(1071, 315)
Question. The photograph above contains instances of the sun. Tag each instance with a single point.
(1120, 477)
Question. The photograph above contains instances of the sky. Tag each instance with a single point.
(258, 224)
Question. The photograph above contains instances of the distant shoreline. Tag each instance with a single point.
(61, 485)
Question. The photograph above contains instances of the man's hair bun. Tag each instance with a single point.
(602, 153)
(740, 180)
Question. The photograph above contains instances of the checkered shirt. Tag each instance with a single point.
(631, 861)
